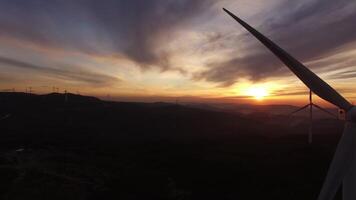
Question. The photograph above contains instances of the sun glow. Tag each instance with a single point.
(259, 93)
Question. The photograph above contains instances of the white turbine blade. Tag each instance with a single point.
(311, 80)
(341, 163)
(349, 183)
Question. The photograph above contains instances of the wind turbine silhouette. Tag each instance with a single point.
(343, 166)
(312, 105)
(65, 96)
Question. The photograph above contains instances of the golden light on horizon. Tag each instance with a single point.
(259, 93)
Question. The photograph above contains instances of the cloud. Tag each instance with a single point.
(307, 29)
(137, 29)
(142, 31)
(344, 75)
(254, 67)
(87, 77)
(295, 92)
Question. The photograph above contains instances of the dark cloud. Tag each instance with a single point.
(228, 72)
(344, 75)
(137, 29)
(295, 92)
(307, 29)
(88, 77)
(338, 63)
(141, 29)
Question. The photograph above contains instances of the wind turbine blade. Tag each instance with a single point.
(311, 80)
(326, 111)
(341, 163)
(299, 109)
(349, 183)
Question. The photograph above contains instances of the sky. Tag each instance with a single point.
(168, 50)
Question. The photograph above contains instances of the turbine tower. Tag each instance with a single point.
(342, 169)
(311, 105)
(65, 96)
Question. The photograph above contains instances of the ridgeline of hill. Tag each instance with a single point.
(78, 147)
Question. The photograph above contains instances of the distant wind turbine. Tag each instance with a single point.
(343, 166)
(30, 90)
(65, 96)
(312, 105)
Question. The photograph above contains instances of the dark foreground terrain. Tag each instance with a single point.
(90, 149)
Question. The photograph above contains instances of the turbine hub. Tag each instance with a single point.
(351, 115)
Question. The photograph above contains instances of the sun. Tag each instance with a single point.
(259, 93)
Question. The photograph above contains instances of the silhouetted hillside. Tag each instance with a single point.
(85, 148)
(249, 109)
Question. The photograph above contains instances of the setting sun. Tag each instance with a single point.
(257, 92)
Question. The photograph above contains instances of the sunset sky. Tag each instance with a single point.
(163, 50)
